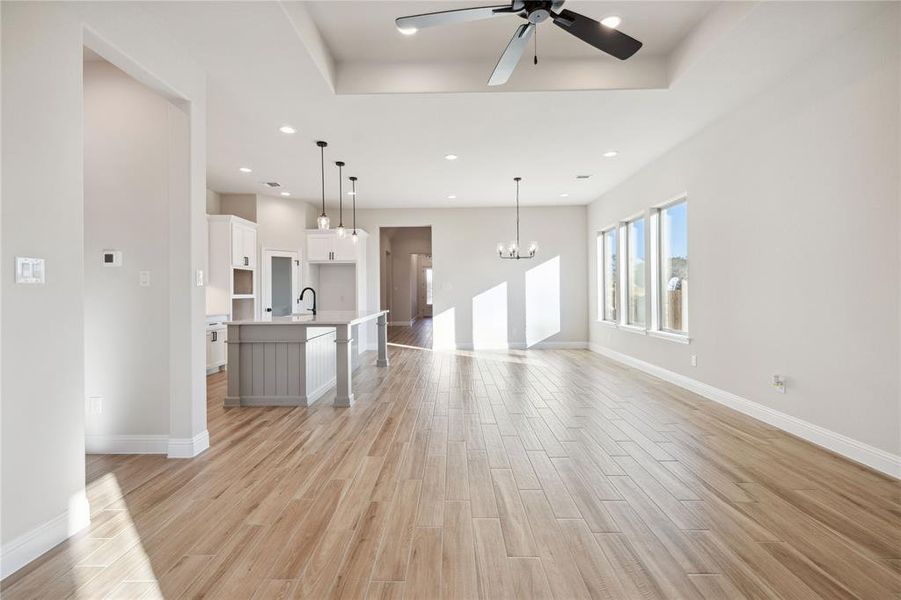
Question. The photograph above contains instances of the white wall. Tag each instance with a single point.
(43, 384)
(213, 203)
(126, 207)
(467, 272)
(793, 243)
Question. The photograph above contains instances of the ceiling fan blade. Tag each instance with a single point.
(509, 59)
(609, 40)
(447, 17)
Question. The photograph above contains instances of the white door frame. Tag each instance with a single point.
(266, 282)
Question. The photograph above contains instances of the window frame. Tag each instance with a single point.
(657, 329)
(626, 280)
(601, 253)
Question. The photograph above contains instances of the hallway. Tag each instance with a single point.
(418, 335)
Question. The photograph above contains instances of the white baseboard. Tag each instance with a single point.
(30, 545)
(875, 458)
(513, 346)
(551, 345)
(126, 444)
(189, 447)
(321, 391)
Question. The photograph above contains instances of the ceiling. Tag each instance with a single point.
(660, 25)
(274, 63)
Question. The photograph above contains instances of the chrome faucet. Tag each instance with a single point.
(304, 291)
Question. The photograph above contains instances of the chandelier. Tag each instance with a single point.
(512, 250)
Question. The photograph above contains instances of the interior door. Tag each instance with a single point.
(280, 282)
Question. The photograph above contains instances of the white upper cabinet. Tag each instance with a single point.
(345, 249)
(244, 246)
(319, 246)
(327, 247)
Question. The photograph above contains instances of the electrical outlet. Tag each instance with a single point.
(95, 405)
(144, 278)
(779, 383)
(198, 278)
(694, 360)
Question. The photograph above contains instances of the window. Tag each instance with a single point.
(672, 256)
(636, 285)
(608, 286)
(428, 286)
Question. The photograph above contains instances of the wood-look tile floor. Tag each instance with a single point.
(418, 335)
(551, 473)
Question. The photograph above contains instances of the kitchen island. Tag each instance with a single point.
(289, 361)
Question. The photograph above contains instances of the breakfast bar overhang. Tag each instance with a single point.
(288, 361)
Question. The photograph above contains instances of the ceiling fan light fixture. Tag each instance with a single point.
(613, 21)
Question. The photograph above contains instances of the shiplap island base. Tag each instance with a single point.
(296, 359)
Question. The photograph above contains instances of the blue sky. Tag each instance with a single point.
(678, 219)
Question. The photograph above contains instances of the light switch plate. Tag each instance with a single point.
(144, 278)
(198, 278)
(29, 270)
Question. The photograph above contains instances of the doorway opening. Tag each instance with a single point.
(407, 283)
(138, 329)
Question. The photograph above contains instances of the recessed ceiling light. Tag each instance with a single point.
(564, 195)
(407, 30)
(610, 154)
(287, 129)
(451, 197)
(451, 156)
(612, 21)
(246, 170)
(286, 193)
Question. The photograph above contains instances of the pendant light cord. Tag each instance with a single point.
(322, 164)
(353, 183)
(340, 194)
(517, 214)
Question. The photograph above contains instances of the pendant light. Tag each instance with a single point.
(322, 222)
(511, 250)
(340, 230)
(353, 194)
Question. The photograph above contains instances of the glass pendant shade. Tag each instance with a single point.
(341, 231)
(322, 222)
(355, 237)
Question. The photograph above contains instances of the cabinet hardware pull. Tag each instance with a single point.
(214, 336)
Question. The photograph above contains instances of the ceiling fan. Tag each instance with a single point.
(606, 39)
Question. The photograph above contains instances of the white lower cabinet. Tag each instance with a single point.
(215, 347)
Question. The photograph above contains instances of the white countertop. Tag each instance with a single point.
(324, 318)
